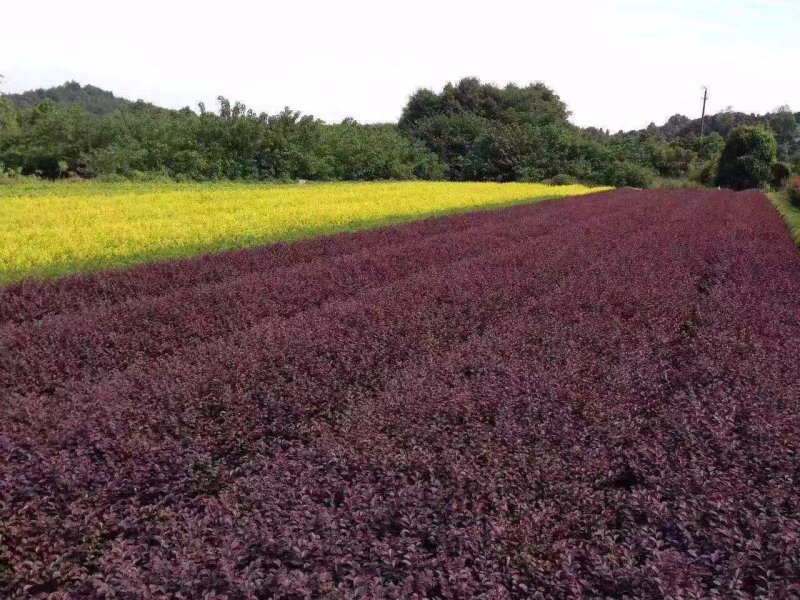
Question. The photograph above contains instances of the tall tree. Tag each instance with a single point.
(747, 158)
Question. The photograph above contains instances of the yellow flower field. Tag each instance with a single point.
(60, 228)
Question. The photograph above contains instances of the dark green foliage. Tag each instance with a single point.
(787, 132)
(482, 132)
(722, 123)
(780, 175)
(51, 137)
(485, 133)
(784, 124)
(707, 172)
(630, 174)
(793, 192)
(708, 148)
(8, 120)
(95, 100)
(350, 151)
(561, 179)
(466, 132)
(235, 143)
(747, 159)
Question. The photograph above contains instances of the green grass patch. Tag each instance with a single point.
(789, 213)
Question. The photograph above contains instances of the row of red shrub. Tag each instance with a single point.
(595, 397)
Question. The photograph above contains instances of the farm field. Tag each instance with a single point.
(596, 397)
(49, 229)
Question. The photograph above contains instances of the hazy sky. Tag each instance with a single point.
(618, 64)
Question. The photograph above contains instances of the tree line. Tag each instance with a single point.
(468, 131)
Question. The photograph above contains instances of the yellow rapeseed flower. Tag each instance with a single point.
(59, 228)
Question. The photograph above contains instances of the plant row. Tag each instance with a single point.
(591, 398)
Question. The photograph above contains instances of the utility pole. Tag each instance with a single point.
(703, 118)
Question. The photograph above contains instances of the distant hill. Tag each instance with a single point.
(678, 128)
(784, 123)
(94, 99)
(723, 123)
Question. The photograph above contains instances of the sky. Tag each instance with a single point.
(618, 64)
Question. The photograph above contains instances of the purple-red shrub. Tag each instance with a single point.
(590, 398)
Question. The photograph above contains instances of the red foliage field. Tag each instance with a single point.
(598, 397)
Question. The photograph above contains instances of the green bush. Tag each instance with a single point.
(354, 152)
(793, 192)
(630, 174)
(706, 173)
(780, 175)
(675, 183)
(562, 179)
(747, 158)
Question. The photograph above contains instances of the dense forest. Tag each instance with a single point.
(468, 131)
(94, 99)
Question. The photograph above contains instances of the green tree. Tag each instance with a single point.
(780, 175)
(787, 131)
(487, 133)
(747, 158)
(9, 127)
(350, 151)
(709, 148)
(48, 134)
